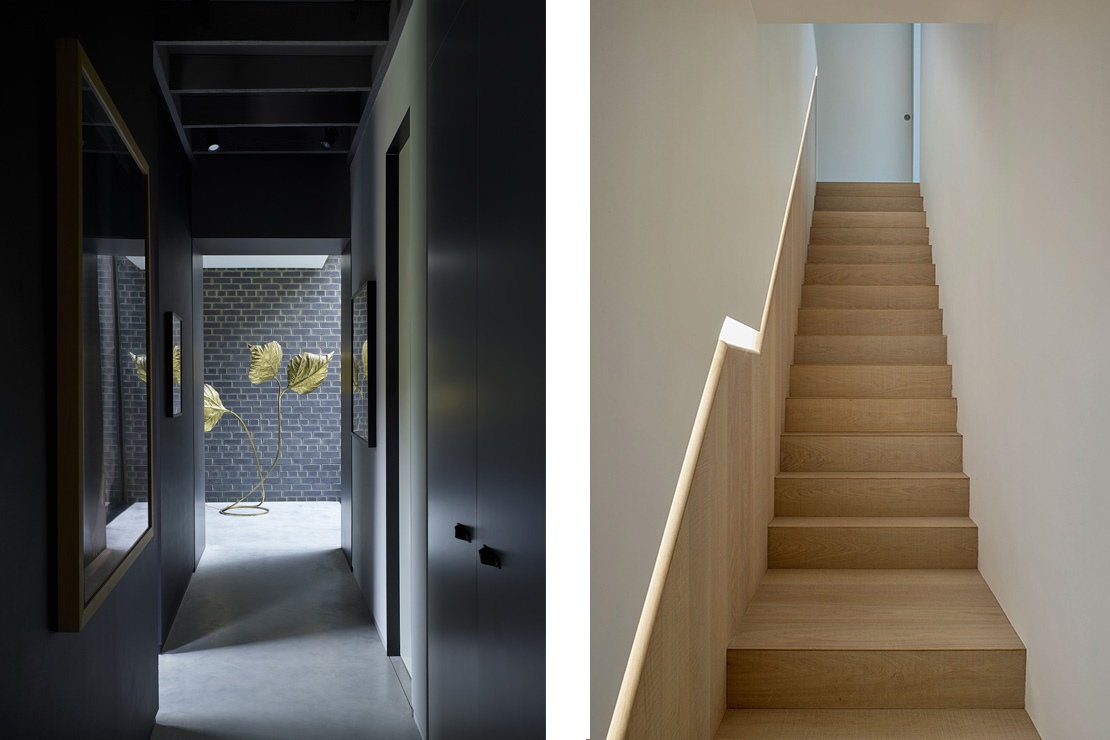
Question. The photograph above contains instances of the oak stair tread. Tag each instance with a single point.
(868, 188)
(869, 203)
(870, 474)
(871, 434)
(902, 522)
(870, 610)
(876, 724)
(871, 273)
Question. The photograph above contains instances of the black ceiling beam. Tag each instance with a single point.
(252, 23)
(271, 109)
(161, 60)
(205, 73)
(399, 9)
(283, 140)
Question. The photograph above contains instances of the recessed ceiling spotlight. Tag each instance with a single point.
(331, 135)
(211, 141)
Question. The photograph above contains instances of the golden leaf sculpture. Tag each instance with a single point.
(177, 364)
(307, 371)
(365, 358)
(140, 365)
(213, 407)
(265, 362)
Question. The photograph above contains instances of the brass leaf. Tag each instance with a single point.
(213, 407)
(177, 364)
(307, 371)
(365, 359)
(140, 365)
(265, 361)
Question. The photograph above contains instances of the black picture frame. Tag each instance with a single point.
(365, 376)
(173, 354)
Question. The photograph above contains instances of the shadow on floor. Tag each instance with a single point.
(263, 598)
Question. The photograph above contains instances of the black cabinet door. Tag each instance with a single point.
(452, 243)
(511, 369)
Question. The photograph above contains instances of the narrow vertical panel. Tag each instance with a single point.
(452, 140)
(511, 366)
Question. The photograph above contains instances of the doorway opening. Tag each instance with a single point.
(406, 406)
(286, 433)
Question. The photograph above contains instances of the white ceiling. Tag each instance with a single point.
(255, 261)
(877, 11)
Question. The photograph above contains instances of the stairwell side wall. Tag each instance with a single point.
(1015, 171)
(696, 115)
(714, 550)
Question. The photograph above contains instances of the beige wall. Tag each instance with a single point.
(1015, 170)
(696, 119)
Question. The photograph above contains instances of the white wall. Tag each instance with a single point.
(403, 89)
(1015, 170)
(866, 88)
(696, 119)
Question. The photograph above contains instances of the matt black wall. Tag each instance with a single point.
(486, 318)
(101, 682)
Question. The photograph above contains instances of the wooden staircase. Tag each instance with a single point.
(873, 620)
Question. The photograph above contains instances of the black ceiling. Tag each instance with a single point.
(270, 76)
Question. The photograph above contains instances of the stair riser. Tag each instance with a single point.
(862, 235)
(870, 296)
(876, 679)
(884, 274)
(878, 350)
(820, 453)
(871, 497)
(885, 189)
(869, 219)
(876, 724)
(848, 254)
(870, 415)
(871, 381)
(872, 547)
(869, 321)
(868, 203)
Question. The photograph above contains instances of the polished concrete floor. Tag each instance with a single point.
(273, 640)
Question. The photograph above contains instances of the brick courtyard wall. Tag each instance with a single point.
(300, 309)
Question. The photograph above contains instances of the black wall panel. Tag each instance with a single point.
(175, 499)
(103, 681)
(452, 338)
(511, 369)
(282, 196)
(486, 375)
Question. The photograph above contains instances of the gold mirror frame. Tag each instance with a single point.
(74, 609)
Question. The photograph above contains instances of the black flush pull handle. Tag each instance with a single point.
(489, 556)
(462, 532)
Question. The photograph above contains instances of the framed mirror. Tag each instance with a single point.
(173, 361)
(104, 458)
(363, 395)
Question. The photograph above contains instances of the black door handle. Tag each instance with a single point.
(463, 532)
(489, 556)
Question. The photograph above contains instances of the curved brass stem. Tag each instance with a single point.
(261, 480)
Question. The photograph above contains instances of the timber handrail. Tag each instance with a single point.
(705, 606)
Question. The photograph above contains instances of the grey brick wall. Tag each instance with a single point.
(300, 309)
(121, 287)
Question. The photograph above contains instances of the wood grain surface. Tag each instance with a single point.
(872, 542)
(871, 494)
(871, 381)
(877, 724)
(880, 350)
(870, 296)
(871, 414)
(905, 273)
